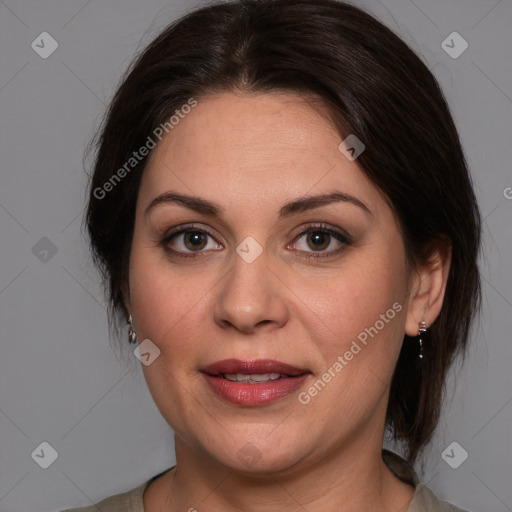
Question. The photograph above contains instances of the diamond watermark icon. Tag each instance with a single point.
(249, 454)
(44, 45)
(146, 352)
(44, 250)
(351, 147)
(454, 45)
(454, 455)
(249, 249)
(45, 455)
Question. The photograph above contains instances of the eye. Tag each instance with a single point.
(317, 239)
(187, 240)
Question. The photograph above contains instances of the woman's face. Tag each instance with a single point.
(267, 272)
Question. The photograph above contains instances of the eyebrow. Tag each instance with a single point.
(302, 204)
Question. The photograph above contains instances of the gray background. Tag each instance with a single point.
(61, 381)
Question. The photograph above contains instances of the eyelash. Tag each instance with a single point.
(340, 236)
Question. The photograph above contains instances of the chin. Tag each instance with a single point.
(260, 458)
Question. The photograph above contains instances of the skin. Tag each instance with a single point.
(251, 153)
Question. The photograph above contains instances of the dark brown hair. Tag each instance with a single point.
(374, 86)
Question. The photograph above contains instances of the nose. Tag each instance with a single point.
(251, 297)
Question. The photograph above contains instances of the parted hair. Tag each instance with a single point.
(372, 85)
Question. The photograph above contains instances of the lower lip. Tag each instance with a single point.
(260, 393)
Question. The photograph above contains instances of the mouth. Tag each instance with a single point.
(255, 378)
(253, 383)
(250, 368)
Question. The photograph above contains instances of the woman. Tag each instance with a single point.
(282, 212)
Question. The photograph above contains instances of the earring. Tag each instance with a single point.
(132, 335)
(421, 332)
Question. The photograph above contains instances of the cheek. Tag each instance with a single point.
(160, 296)
(165, 308)
(366, 293)
(357, 328)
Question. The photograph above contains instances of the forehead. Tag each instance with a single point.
(253, 147)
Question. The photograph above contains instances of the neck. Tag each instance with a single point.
(355, 479)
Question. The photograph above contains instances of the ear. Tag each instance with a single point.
(427, 287)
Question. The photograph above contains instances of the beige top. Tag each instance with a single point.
(422, 501)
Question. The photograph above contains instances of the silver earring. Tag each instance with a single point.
(421, 332)
(132, 335)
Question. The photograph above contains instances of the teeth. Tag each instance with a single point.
(253, 378)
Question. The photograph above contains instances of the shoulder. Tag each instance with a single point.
(130, 501)
(424, 499)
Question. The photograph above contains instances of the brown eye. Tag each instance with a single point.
(194, 240)
(189, 242)
(321, 241)
(318, 240)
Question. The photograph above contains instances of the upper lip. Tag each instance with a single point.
(252, 367)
